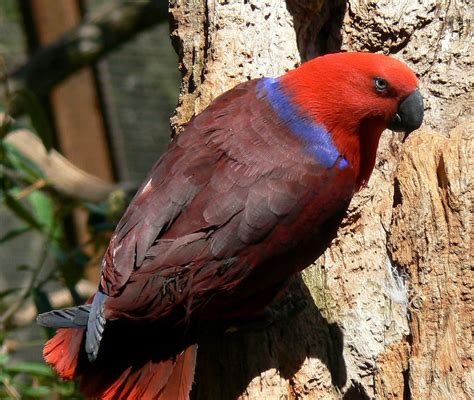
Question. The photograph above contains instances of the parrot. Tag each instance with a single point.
(249, 194)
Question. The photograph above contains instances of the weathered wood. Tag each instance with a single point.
(431, 238)
(388, 310)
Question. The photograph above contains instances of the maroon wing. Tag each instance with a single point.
(233, 192)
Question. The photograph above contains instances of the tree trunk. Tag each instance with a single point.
(388, 308)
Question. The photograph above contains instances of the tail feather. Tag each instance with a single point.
(73, 317)
(163, 380)
(181, 379)
(145, 383)
(62, 352)
(134, 362)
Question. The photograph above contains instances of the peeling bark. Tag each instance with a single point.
(388, 310)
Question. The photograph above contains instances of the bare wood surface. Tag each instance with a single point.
(63, 175)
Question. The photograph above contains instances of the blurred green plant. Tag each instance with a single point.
(30, 380)
(40, 207)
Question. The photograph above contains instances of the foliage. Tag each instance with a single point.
(30, 380)
(40, 208)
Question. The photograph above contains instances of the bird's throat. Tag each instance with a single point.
(359, 147)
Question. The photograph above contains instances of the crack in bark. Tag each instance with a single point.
(318, 33)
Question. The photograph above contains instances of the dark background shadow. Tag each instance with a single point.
(317, 25)
(228, 362)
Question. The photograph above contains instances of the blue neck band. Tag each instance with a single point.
(315, 137)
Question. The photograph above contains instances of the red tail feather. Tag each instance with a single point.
(128, 375)
(62, 351)
(181, 380)
(144, 383)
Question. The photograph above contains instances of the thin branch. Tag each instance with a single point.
(110, 26)
(26, 291)
(10, 389)
(39, 184)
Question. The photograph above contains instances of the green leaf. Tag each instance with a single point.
(4, 358)
(36, 392)
(3, 377)
(12, 234)
(43, 208)
(66, 388)
(38, 117)
(71, 267)
(44, 211)
(32, 368)
(21, 212)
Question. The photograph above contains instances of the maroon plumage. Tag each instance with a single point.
(245, 197)
(214, 208)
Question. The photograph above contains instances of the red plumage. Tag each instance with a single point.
(346, 79)
(237, 205)
(63, 351)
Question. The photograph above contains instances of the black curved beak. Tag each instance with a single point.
(409, 115)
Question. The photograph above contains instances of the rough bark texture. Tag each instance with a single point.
(430, 237)
(389, 306)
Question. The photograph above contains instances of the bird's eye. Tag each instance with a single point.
(381, 85)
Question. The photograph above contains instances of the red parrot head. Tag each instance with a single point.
(355, 96)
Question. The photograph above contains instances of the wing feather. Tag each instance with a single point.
(234, 188)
